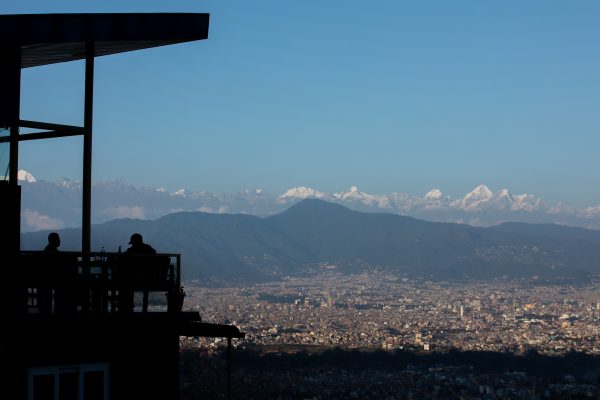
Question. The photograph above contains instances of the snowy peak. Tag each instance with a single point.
(180, 193)
(483, 198)
(434, 199)
(474, 199)
(115, 199)
(480, 193)
(351, 194)
(503, 193)
(501, 200)
(302, 192)
(69, 184)
(24, 175)
(527, 202)
(561, 208)
(590, 212)
(434, 194)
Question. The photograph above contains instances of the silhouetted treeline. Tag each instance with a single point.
(532, 363)
(323, 373)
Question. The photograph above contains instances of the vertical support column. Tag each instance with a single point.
(10, 81)
(13, 170)
(87, 149)
(11, 294)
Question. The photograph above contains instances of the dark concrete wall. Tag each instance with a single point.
(143, 357)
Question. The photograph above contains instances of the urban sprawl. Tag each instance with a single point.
(378, 310)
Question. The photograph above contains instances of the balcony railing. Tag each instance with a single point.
(78, 285)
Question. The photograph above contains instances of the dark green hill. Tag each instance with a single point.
(549, 230)
(243, 247)
(332, 232)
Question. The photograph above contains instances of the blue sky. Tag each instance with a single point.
(386, 95)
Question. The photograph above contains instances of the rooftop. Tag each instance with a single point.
(53, 38)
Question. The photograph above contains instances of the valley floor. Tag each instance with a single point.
(380, 336)
(377, 310)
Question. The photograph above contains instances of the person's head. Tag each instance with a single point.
(136, 239)
(54, 240)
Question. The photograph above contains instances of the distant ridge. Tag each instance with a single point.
(55, 205)
(243, 247)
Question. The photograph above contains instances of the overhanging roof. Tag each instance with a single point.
(53, 38)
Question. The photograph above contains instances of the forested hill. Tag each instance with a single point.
(243, 247)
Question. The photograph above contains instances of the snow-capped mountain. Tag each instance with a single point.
(434, 194)
(435, 199)
(180, 192)
(527, 202)
(302, 192)
(482, 198)
(53, 205)
(501, 200)
(353, 194)
(26, 176)
(475, 198)
(591, 212)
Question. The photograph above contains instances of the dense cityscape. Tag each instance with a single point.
(379, 310)
(377, 313)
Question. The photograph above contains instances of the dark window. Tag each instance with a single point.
(68, 386)
(93, 385)
(74, 382)
(43, 387)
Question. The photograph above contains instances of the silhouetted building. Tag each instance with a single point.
(85, 325)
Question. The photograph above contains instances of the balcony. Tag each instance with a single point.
(73, 285)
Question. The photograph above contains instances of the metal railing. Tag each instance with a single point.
(74, 284)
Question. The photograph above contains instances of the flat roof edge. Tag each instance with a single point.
(51, 38)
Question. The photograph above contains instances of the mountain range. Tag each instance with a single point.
(318, 234)
(55, 205)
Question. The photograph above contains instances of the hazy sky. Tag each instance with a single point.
(386, 95)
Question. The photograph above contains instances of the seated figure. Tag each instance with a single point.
(138, 246)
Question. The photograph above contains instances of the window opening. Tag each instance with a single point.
(74, 382)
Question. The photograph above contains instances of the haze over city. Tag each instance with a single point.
(390, 97)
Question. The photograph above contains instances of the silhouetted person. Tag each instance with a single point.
(53, 243)
(53, 274)
(133, 271)
(60, 275)
(138, 246)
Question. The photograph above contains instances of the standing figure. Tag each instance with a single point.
(53, 243)
(60, 270)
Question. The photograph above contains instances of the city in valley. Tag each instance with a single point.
(378, 314)
(380, 310)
